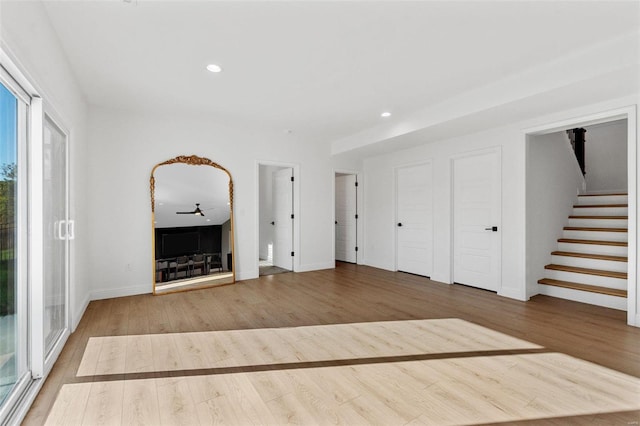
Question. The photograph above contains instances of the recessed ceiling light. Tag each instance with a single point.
(214, 68)
(385, 114)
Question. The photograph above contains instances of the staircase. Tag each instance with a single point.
(590, 264)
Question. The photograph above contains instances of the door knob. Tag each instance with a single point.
(399, 223)
(492, 229)
(273, 223)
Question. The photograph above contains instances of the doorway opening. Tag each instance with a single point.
(276, 219)
(581, 211)
(346, 217)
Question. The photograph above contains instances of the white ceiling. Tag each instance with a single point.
(178, 187)
(324, 69)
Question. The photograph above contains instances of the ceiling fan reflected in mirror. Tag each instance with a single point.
(196, 212)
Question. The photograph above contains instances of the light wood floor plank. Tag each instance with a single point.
(176, 406)
(469, 390)
(139, 354)
(140, 403)
(104, 404)
(201, 350)
(91, 356)
(354, 294)
(70, 405)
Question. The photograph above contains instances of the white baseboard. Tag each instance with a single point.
(386, 267)
(512, 293)
(444, 278)
(121, 292)
(77, 316)
(242, 276)
(316, 266)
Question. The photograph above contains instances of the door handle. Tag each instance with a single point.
(492, 229)
(399, 223)
(273, 223)
(71, 230)
(61, 225)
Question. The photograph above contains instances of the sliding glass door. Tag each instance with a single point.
(34, 241)
(57, 232)
(14, 365)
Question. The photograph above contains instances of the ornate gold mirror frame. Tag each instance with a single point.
(180, 262)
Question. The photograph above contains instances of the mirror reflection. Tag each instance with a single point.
(192, 224)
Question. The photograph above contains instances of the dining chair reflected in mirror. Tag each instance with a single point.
(216, 262)
(197, 263)
(162, 271)
(182, 264)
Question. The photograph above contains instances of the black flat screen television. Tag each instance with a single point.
(180, 244)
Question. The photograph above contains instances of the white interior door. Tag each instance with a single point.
(283, 218)
(346, 218)
(414, 203)
(476, 223)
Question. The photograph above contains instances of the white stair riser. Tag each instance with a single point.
(617, 283)
(598, 223)
(595, 235)
(603, 199)
(600, 211)
(593, 248)
(582, 262)
(613, 302)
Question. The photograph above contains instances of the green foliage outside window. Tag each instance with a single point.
(7, 237)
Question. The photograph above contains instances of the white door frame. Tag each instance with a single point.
(633, 159)
(52, 115)
(495, 149)
(359, 223)
(296, 212)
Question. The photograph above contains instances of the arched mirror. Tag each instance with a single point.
(192, 219)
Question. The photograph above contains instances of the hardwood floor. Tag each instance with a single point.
(95, 373)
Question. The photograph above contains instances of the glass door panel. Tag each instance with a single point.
(55, 233)
(13, 327)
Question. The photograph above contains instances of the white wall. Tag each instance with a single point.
(379, 204)
(379, 196)
(226, 244)
(266, 208)
(606, 156)
(553, 182)
(30, 41)
(123, 149)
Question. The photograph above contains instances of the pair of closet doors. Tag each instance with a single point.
(474, 209)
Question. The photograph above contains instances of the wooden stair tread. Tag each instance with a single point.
(584, 287)
(590, 256)
(594, 242)
(590, 206)
(603, 195)
(579, 228)
(600, 217)
(577, 270)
